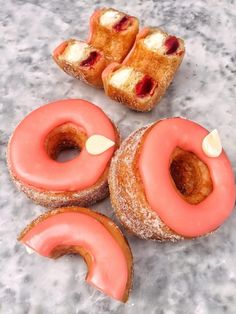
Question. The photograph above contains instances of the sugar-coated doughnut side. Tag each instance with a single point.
(127, 193)
(55, 199)
(51, 199)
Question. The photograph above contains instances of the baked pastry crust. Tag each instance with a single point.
(127, 193)
(157, 64)
(115, 44)
(105, 42)
(88, 74)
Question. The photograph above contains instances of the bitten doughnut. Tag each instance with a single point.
(92, 235)
(112, 34)
(147, 71)
(37, 141)
(171, 180)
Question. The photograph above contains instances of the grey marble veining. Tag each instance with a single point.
(191, 277)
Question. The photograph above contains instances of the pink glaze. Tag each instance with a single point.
(109, 270)
(185, 219)
(141, 34)
(30, 162)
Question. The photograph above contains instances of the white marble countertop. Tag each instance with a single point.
(191, 277)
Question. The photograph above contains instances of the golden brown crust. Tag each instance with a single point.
(128, 196)
(115, 45)
(160, 66)
(156, 64)
(89, 74)
(129, 98)
(52, 199)
(107, 223)
(190, 176)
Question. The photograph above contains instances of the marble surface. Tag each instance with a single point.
(191, 277)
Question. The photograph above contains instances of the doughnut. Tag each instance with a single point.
(129, 86)
(36, 142)
(113, 32)
(111, 36)
(81, 61)
(171, 180)
(92, 235)
(147, 70)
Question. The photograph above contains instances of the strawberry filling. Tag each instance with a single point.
(122, 24)
(171, 45)
(145, 87)
(92, 58)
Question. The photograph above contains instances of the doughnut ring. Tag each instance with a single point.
(163, 186)
(92, 235)
(43, 134)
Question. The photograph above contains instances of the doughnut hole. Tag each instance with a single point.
(191, 177)
(64, 142)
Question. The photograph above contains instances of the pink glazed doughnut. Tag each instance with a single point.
(39, 138)
(163, 186)
(92, 235)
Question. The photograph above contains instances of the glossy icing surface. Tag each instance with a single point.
(185, 219)
(108, 270)
(30, 162)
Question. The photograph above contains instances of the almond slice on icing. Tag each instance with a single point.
(98, 144)
(211, 144)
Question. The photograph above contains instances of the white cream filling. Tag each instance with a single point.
(120, 77)
(110, 17)
(154, 41)
(75, 52)
(211, 144)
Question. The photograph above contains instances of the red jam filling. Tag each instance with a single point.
(92, 58)
(122, 24)
(171, 45)
(145, 87)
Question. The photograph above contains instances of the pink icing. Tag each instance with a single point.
(30, 162)
(185, 219)
(109, 270)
